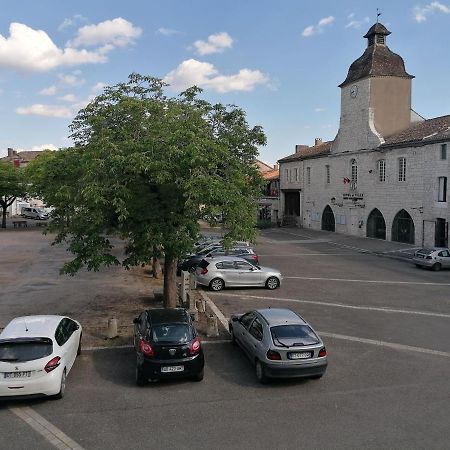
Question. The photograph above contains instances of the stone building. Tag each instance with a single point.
(385, 174)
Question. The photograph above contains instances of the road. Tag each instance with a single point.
(386, 327)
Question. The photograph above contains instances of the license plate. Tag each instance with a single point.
(167, 369)
(17, 374)
(300, 355)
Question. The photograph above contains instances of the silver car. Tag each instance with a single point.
(218, 272)
(279, 343)
(433, 258)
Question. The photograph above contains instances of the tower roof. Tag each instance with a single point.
(378, 60)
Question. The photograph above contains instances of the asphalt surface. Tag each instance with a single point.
(386, 327)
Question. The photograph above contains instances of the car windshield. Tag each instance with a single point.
(293, 335)
(174, 333)
(426, 250)
(20, 350)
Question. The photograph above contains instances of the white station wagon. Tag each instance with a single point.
(36, 355)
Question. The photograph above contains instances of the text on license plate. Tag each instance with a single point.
(17, 374)
(300, 355)
(166, 369)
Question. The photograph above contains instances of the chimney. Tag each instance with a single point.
(299, 148)
(11, 152)
(275, 167)
(317, 141)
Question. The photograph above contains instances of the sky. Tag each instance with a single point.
(279, 60)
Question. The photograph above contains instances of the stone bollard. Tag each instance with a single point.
(212, 329)
(112, 328)
(200, 305)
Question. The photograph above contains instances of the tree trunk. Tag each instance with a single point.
(156, 268)
(170, 286)
(3, 216)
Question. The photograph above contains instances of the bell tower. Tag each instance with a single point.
(375, 96)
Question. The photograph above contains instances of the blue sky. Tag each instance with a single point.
(280, 60)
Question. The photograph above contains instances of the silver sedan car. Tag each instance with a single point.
(432, 258)
(218, 272)
(279, 343)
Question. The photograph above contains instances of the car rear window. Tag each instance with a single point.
(293, 335)
(203, 264)
(20, 350)
(173, 333)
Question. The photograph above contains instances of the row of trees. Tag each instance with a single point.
(145, 167)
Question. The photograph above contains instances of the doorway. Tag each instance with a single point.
(403, 228)
(376, 225)
(328, 222)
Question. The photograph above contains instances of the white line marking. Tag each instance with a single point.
(394, 346)
(317, 254)
(401, 347)
(421, 283)
(54, 435)
(341, 305)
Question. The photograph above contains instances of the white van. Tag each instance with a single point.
(34, 213)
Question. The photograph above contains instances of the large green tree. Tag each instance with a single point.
(12, 185)
(146, 166)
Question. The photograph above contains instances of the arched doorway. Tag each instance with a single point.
(328, 223)
(403, 228)
(376, 225)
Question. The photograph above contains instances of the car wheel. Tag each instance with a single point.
(79, 347)
(436, 267)
(260, 372)
(272, 283)
(140, 379)
(199, 376)
(62, 388)
(216, 284)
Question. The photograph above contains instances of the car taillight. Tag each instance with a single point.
(255, 258)
(195, 346)
(322, 352)
(145, 348)
(204, 271)
(273, 355)
(52, 364)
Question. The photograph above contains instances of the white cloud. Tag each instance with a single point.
(311, 30)
(72, 21)
(357, 23)
(319, 110)
(421, 12)
(202, 74)
(39, 109)
(72, 79)
(32, 50)
(113, 33)
(216, 43)
(40, 148)
(68, 98)
(51, 90)
(98, 87)
(167, 31)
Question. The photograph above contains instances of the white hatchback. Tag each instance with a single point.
(36, 355)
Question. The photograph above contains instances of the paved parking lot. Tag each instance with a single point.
(386, 327)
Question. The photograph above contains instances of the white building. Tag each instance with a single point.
(385, 173)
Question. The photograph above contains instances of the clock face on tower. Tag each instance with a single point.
(353, 91)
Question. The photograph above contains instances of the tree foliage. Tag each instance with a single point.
(12, 185)
(147, 166)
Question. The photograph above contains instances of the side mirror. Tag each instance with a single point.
(136, 320)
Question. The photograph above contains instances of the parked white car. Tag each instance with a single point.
(36, 355)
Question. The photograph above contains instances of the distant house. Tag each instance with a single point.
(268, 203)
(21, 159)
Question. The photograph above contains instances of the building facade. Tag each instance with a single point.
(385, 174)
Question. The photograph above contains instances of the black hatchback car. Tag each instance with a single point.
(167, 345)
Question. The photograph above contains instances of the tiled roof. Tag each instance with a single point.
(309, 152)
(376, 61)
(25, 156)
(377, 28)
(430, 130)
(271, 174)
(262, 166)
